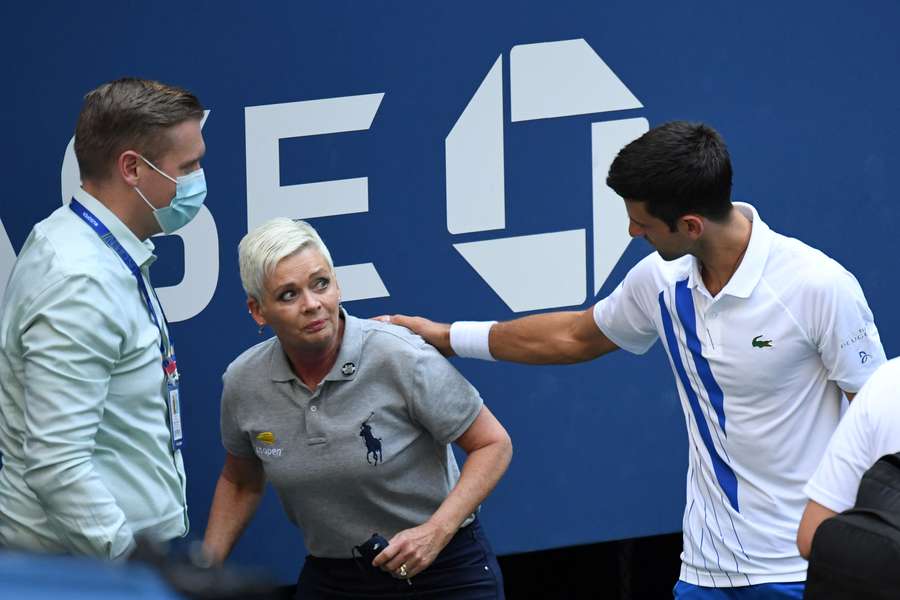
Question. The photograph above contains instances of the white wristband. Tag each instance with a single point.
(469, 339)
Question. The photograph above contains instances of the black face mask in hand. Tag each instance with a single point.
(369, 549)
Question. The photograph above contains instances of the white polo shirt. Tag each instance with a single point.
(758, 369)
(869, 430)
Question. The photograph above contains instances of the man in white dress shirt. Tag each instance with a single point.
(90, 420)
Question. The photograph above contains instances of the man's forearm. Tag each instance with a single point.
(549, 338)
(64, 403)
(537, 339)
(82, 510)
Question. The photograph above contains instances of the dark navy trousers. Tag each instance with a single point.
(466, 569)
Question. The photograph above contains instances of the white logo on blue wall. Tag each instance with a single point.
(547, 80)
(265, 126)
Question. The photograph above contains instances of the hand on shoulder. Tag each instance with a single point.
(436, 334)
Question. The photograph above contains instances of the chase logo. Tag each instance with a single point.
(547, 80)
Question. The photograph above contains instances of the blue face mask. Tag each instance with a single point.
(190, 192)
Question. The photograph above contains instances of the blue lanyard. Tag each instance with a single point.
(168, 358)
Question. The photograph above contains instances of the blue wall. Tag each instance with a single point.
(806, 94)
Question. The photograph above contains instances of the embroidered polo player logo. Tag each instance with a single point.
(373, 444)
(758, 343)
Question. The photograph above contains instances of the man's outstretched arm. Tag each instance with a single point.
(549, 338)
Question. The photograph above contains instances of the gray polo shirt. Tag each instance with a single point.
(368, 451)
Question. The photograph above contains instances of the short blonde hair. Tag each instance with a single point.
(262, 249)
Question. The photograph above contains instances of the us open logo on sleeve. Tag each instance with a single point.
(265, 445)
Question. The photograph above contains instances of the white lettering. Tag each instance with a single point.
(266, 198)
(267, 451)
(194, 292)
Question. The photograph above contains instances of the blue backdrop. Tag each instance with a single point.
(806, 95)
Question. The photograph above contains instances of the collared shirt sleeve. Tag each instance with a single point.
(234, 439)
(869, 430)
(70, 344)
(624, 316)
(443, 401)
(843, 328)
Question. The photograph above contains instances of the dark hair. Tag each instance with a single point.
(128, 114)
(677, 168)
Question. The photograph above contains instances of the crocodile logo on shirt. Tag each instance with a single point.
(373, 444)
(758, 343)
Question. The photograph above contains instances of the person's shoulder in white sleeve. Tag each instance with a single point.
(628, 315)
(869, 430)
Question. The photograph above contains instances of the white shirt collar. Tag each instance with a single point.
(140, 252)
(750, 271)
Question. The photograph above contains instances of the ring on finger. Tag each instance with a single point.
(402, 572)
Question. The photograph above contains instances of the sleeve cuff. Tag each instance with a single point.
(826, 499)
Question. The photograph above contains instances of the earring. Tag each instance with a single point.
(261, 327)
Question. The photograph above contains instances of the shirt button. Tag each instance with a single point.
(314, 408)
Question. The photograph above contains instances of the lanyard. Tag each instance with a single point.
(170, 367)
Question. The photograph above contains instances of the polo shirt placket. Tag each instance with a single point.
(312, 402)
